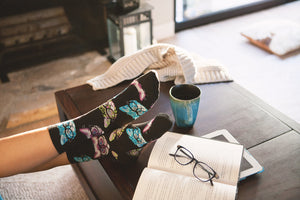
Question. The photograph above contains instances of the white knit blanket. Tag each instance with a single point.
(170, 62)
(57, 183)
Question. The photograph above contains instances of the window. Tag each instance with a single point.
(190, 13)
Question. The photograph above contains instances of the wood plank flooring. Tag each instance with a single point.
(275, 80)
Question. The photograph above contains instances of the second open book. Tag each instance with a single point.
(165, 179)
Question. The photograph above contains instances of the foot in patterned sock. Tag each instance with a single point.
(92, 129)
(125, 143)
(135, 136)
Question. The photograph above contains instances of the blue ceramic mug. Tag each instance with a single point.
(185, 99)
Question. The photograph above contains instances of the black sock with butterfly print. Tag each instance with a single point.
(86, 137)
(126, 143)
(137, 136)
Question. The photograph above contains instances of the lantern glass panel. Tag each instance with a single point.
(136, 37)
(114, 39)
(145, 36)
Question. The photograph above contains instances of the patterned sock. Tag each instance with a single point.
(90, 131)
(125, 143)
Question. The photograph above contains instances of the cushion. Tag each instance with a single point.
(276, 36)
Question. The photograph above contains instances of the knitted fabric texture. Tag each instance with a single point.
(169, 61)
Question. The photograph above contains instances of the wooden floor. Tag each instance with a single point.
(273, 79)
(27, 102)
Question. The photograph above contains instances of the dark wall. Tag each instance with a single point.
(88, 18)
(13, 7)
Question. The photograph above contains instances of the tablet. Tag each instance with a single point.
(250, 165)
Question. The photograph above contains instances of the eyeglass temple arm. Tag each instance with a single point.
(172, 154)
(187, 155)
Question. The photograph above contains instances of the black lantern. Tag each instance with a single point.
(129, 32)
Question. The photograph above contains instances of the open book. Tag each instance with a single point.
(164, 178)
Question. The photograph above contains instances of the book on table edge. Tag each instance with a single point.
(164, 178)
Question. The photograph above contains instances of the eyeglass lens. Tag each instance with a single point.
(203, 172)
(183, 156)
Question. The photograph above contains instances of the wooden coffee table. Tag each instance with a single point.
(271, 137)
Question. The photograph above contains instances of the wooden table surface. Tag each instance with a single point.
(271, 137)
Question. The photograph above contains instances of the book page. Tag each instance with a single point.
(224, 158)
(156, 184)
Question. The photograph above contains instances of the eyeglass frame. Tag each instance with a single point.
(197, 162)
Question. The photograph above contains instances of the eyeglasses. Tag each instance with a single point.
(184, 157)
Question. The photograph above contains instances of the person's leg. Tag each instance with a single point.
(59, 160)
(125, 143)
(88, 136)
(22, 152)
(138, 134)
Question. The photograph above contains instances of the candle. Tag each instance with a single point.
(130, 41)
(144, 34)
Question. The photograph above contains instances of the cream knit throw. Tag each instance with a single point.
(170, 62)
